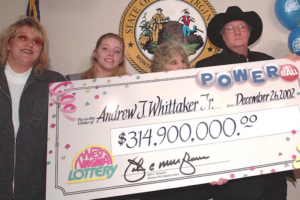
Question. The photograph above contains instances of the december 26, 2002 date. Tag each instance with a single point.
(260, 98)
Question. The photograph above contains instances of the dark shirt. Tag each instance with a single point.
(227, 57)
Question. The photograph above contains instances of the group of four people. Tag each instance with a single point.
(24, 86)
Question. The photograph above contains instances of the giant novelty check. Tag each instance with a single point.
(133, 134)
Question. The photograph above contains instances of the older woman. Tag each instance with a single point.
(24, 86)
(108, 59)
(169, 56)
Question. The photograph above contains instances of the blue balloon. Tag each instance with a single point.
(294, 41)
(288, 13)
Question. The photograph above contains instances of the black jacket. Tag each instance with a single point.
(227, 57)
(253, 187)
(31, 142)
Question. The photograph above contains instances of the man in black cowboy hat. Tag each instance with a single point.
(234, 31)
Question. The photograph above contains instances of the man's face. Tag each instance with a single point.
(159, 11)
(236, 34)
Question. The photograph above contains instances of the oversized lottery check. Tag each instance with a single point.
(133, 134)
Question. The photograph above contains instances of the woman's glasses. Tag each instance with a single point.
(25, 38)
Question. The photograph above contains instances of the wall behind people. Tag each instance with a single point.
(73, 27)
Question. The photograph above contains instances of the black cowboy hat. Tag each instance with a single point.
(234, 13)
(159, 9)
(186, 12)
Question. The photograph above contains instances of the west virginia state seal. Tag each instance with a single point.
(147, 23)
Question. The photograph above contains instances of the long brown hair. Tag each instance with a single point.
(92, 71)
(43, 61)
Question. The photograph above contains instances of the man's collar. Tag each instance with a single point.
(234, 57)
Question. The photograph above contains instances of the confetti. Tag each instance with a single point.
(87, 91)
(87, 103)
(126, 86)
(287, 139)
(155, 79)
(120, 76)
(298, 93)
(294, 157)
(96, 87)
(286, 165)
(97, 97)
(57, 144)
(252, 168)
(138, 77)
(48, 139)
(108, 81)
(273, 171)
(94, 80)
(293, 131)
(67, 146)
(53, 116)
(280, 154)
(232, 176)
(261, 171)
(51, 104)
(52, 125)
(104, 93)
(48, 163)
(74, 93)
(50, 152)
(63, 157)
(84, 84)
(245, 175)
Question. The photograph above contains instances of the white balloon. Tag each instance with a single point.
(224, 80)
(206, 77)
(258, 77)
(237, 69)
(267, 68)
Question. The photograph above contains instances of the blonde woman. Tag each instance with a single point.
(108, 59)
(24, 86)
(169, 56)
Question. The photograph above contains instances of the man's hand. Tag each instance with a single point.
(294, 57)
(127, 74)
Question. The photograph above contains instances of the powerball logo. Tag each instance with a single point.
(92, 163)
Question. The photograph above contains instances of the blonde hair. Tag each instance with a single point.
(92, 71)
(164, 54)
(43, 61)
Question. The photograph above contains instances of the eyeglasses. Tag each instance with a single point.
(25, 38)
(241, 27)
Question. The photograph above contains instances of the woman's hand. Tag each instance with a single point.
(220, 182)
